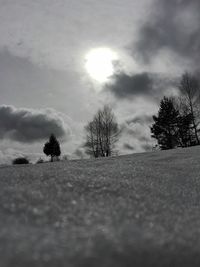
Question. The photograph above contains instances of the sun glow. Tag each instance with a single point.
(99, 63)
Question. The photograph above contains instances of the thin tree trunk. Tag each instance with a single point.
(194, 124)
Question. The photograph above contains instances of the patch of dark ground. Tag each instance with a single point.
(134, 210)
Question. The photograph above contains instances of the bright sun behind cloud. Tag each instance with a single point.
(99, 63)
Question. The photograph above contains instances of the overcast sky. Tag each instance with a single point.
(45, 86)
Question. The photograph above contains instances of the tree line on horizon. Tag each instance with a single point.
(175, 125)
(102, 133)
(178, 118)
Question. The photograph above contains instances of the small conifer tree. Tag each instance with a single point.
(165, 125)
(52, 147)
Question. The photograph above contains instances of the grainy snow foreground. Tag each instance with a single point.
(137, 210)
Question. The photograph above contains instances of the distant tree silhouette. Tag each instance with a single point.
(102, 133)
(190, 90)
(52, 147)
(165, 126)
(20, 160)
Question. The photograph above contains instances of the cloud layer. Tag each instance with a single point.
(143, 84)
(124, 85)
(136, 134)
(27, 125)
(174, 26)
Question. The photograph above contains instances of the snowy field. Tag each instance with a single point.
(136, 210)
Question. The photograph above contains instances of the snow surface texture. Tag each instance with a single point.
(135, 210)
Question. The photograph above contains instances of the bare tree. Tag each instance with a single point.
(190, 90)
(102, 133)
(185, 132)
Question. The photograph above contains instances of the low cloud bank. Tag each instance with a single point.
(29, 125)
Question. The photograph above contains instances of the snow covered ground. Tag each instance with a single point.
(135, 210)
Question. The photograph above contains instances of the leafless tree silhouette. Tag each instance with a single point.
(190, 89)
(102, 133)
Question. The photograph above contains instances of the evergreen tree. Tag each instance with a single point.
(165, 127)
(52, 147)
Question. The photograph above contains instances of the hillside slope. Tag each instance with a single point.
(135, 210)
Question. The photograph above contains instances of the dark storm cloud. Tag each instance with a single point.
(173, 25)
(124, 85)
(151, 85)
(26, 125)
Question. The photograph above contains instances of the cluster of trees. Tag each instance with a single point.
(101, 136)
(51, 148)
(178, 117)
(175, 125)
